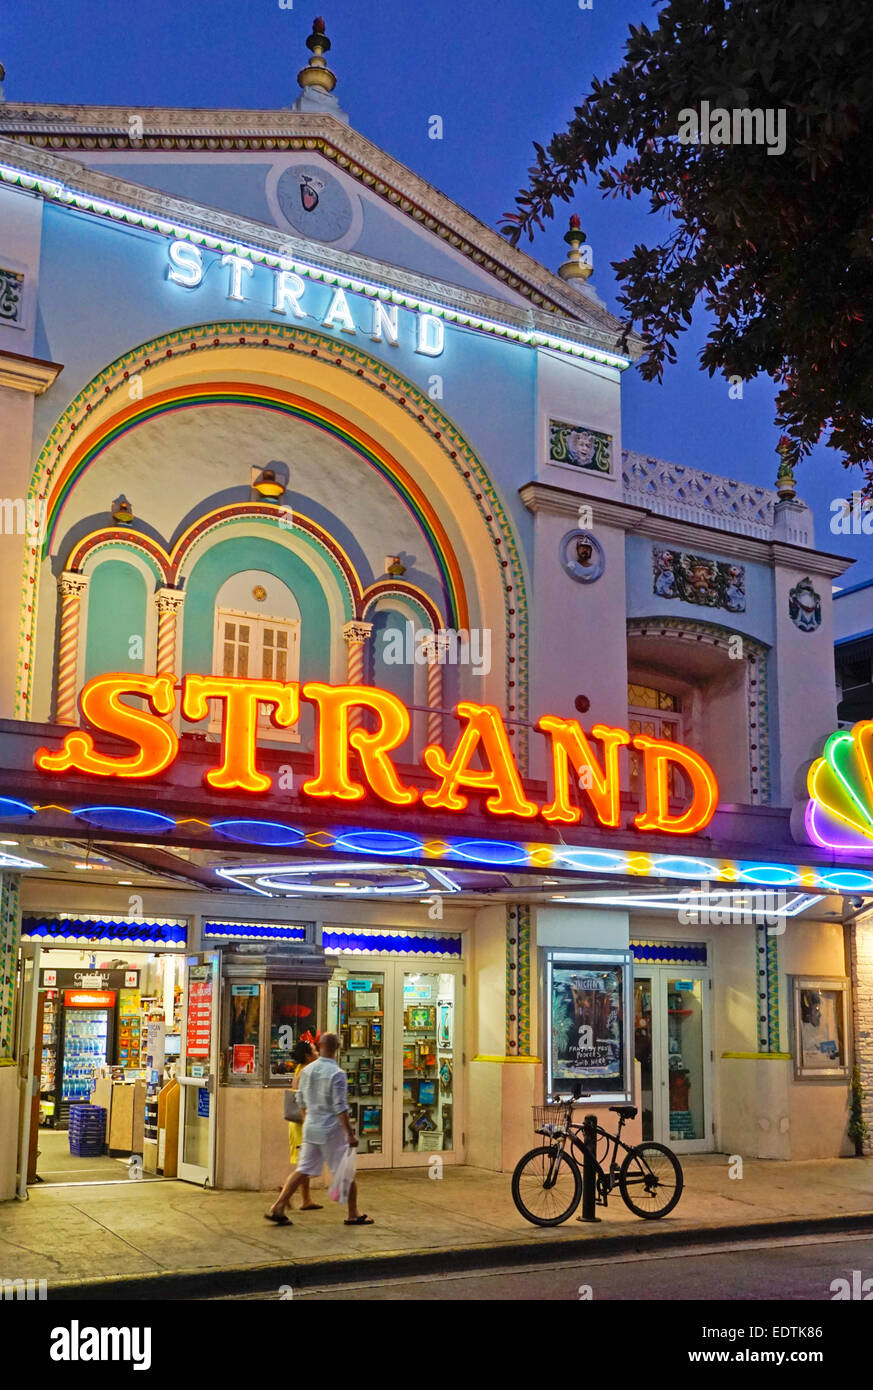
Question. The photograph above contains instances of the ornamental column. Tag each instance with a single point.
(72, 588)
(169, 604)
(357, 635)
(435, 646)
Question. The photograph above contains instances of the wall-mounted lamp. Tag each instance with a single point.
(122, 511)
(267, 485)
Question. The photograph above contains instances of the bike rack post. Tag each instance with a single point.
(589, 1187)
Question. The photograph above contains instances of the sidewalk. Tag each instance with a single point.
(131, 1239)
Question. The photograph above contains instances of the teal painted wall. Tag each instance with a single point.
(251, 553)
(117, 600)
(394, 676)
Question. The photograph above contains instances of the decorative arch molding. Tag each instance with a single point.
(76, 440)
(691, 631)
(88, 551)
(411, 594)
(170, 566)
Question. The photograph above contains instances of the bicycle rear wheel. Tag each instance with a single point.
(650, 1180)
(546, 1192)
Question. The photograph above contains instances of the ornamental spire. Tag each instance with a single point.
(317, 73)
(316, 81)
(575, 267)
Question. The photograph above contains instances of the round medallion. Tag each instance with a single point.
(314, 203)
(259, 593)
(582, 557)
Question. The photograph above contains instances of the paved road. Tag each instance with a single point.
(802, 1267)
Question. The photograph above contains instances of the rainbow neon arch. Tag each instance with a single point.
(839, 814)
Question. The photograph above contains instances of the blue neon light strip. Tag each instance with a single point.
(669, 952)
(504, 854)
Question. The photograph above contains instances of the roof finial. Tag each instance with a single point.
(317, 73)
(576, 266)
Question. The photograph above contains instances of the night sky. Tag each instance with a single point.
(500, 74)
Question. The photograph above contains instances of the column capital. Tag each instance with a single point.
(169, 600)
(72, 584)
(356, 631)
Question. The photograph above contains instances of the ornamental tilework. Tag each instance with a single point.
(518, 981)
(767, 987)
(669, 952)
(10, 926)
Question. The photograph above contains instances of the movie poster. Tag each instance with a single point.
(587, 1028)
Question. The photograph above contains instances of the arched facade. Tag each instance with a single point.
(374, 469)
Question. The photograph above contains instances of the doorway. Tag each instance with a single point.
(400, 1029)
(672, 1047)
(103, 1035)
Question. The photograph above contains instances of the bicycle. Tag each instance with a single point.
(547, 1182)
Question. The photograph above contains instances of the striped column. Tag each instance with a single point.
(357, 635)
(72, 588)
(169, 602)
(435, 649)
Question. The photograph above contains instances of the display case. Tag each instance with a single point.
(271, 997)
(356, 1013)
(588, 1021)
(428, 1061)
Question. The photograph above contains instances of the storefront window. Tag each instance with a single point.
(587, 1013)
(356, 1013)
(428, 1061)
(293, 1015)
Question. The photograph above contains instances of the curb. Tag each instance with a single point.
(392, 1264)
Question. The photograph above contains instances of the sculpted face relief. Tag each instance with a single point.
(482, 759)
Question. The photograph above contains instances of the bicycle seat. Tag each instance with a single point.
(625, 1112)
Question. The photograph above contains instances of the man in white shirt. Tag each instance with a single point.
(327, 1133)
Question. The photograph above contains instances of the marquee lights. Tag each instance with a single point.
(483, 737)
(58, 192)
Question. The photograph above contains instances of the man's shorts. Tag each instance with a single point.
(313, 1157)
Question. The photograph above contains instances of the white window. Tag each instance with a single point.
(258, 647)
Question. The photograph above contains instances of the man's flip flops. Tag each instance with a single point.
(360, 1221)
(279, 1220)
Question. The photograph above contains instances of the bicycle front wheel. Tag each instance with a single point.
(546, 1186)
(650, 1180)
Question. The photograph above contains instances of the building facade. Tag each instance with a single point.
(275, 410)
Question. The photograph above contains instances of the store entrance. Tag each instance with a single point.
(104, 1034)
(400, 1030)
(672, 1048)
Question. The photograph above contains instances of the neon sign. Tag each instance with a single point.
(379, 321)
(481, 761)
(839, 814)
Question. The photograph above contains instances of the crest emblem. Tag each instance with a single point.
(804, 606)
(310, 188)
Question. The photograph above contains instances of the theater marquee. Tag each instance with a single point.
(481, 761)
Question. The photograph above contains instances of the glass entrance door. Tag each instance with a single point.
(672, 1052)
(400, 1030)
(198, 1071)
(427, 1115)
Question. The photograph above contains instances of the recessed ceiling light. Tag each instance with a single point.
(125, 882)
(342, 883)
(10, 842)
(556, 896)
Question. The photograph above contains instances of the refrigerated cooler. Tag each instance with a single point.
(86, 1038)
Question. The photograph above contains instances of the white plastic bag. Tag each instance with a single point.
(343, 1177)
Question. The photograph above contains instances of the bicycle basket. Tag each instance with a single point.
(550, 1116)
